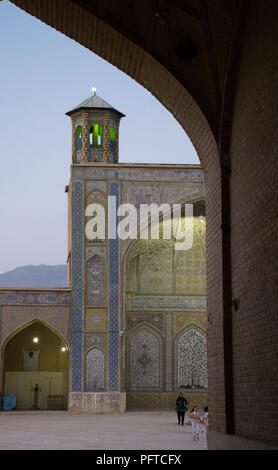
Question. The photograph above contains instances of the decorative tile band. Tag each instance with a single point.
(159, 303)
(77, 270)
(18, 297)
(114, 303)
(153, 303)
(168, 352)
(140, 174)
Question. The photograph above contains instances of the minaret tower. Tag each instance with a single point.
(94, 264)
(95, 131)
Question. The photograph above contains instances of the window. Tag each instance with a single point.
(78, 138)
(96, 135)
(112, 139)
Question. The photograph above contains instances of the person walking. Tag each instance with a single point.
(181, 408)
(195, 420)
(205, 419)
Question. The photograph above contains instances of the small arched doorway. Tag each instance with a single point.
(35, 360)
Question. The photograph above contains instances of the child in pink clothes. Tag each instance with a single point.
(195, 419)
(204, 420)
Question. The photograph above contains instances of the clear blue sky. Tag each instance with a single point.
(43, 75)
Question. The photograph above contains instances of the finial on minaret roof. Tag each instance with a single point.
(94, 102)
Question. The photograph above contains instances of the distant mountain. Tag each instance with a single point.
(41, 276)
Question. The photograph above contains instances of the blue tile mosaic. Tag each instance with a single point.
(77, 286)
(114, 302)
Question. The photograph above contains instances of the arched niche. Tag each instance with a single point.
(95, 380)
(96, 281)
(144, 358)
(95, 197)
(191, 358)
(36, 355)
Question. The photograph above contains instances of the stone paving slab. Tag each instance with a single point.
(47, 430)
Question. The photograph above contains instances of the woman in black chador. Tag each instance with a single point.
(181, 408)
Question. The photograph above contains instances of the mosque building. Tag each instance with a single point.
(130, 330)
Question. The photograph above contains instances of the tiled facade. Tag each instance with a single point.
(77, 287)
(144, 315)
(166, 326)
(114, 288)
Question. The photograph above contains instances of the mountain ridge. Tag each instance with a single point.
(41, 276)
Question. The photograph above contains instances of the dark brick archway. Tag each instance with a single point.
(223, 93)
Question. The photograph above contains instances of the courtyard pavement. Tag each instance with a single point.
(22, 430)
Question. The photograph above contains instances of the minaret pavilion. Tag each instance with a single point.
(95, 131)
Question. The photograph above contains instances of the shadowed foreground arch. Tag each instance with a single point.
(238, 97)
(120, 51)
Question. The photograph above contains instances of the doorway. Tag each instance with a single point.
(36, 368)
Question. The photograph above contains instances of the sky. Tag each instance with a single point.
(43, 75)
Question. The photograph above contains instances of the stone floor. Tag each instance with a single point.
(64, 430)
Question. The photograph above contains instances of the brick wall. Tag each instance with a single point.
(254, 217)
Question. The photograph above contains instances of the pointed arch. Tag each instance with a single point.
(96, 196)
(147, 325)
(129, 245)
(29, 323)
(78, 138)
(95, 370)
(96, 135)
(191, 357)
(148, 275)
(144, 358)
(96, 275)
(112, 138)
(44, 361)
